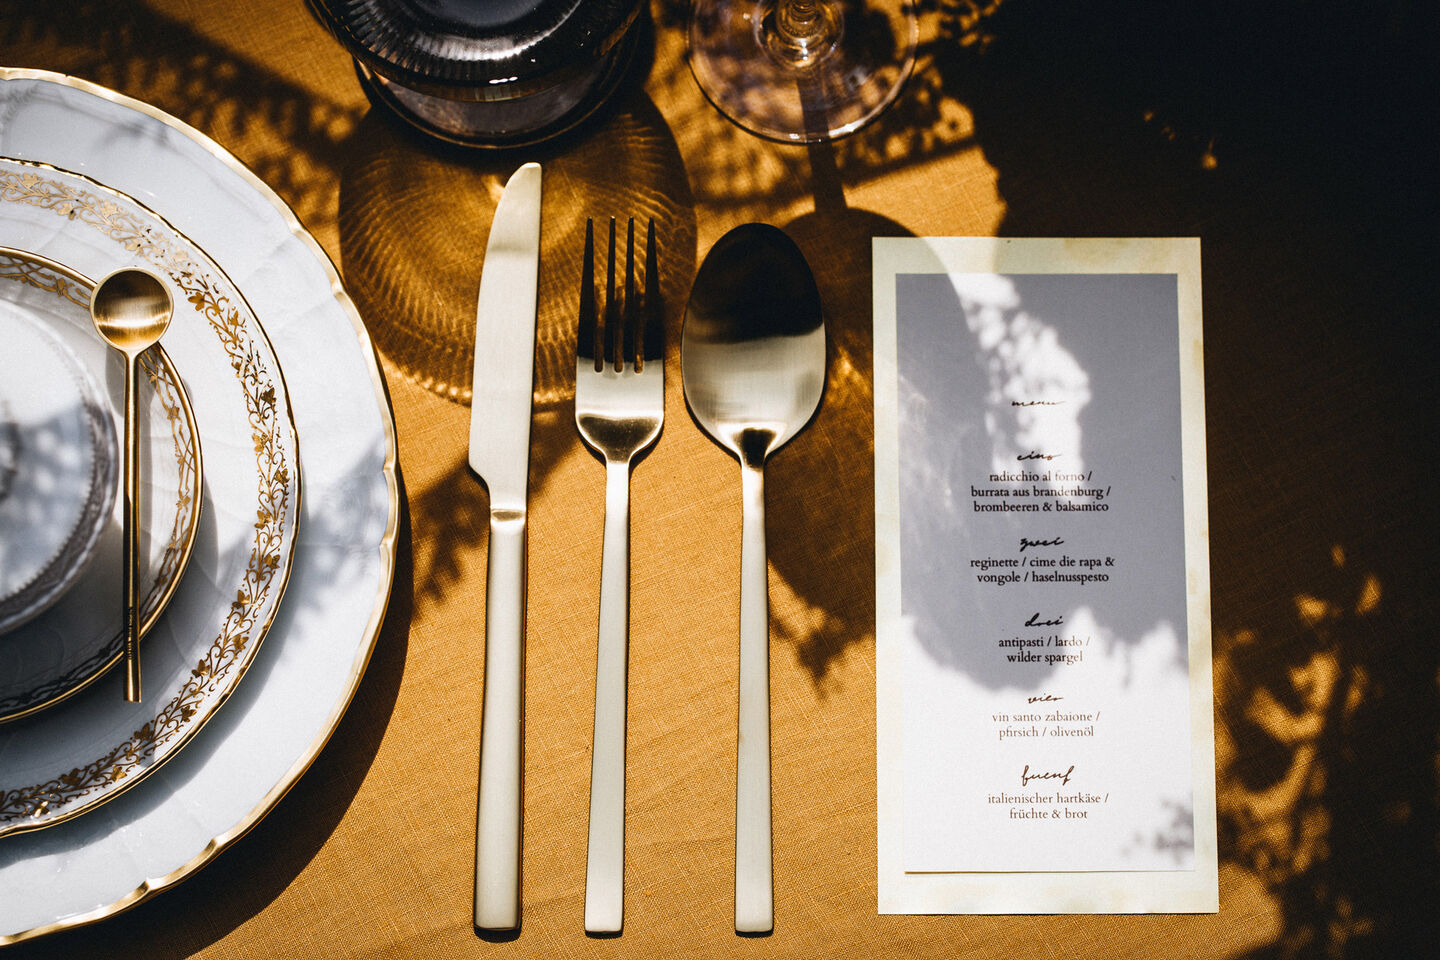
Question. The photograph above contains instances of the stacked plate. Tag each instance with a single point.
(57, 452)
(61, 399)
(261, 608)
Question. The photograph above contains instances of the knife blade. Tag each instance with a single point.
(500, 454)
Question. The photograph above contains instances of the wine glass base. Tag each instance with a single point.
(806, 93)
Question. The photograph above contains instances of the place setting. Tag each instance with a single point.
(200, 486)
(245, 582)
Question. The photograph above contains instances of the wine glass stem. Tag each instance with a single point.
(797, 18)
(802, 32)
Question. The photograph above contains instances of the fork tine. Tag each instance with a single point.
(654, 319)
(588, 319)
(632, 315)
(612, 309)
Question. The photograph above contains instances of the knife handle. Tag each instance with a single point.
(498, 811)
(754, 896)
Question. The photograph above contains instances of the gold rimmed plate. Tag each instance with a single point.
(298, 685)
(60, 650)
(69, 759)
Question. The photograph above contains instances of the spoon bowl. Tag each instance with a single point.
(131, 310)
(752, 358)
(752, 349)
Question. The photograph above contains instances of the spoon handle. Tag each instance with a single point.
(605, 857)
(497, 829)
(754, 899)
(130, 529)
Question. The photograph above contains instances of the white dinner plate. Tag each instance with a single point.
(303, 677)
(55, 652)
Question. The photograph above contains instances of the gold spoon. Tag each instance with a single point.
(131, 309)
(752, 359)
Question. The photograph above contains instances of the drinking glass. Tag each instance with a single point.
(802, 71)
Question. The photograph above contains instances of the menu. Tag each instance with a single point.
(1045, 730)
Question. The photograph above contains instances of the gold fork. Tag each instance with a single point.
(619, 409)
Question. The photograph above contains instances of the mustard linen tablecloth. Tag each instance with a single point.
(1286, 136)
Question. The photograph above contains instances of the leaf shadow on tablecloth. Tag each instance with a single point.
(826, 556)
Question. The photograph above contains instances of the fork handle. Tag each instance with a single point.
(497, 830)
(605, 861)
(754, 898)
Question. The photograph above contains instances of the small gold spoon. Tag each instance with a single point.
(131, 309)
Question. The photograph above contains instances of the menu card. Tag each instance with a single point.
(1045, 739)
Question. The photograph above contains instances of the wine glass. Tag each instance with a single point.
(802, 71)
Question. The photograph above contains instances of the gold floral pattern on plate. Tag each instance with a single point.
(207, 295)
